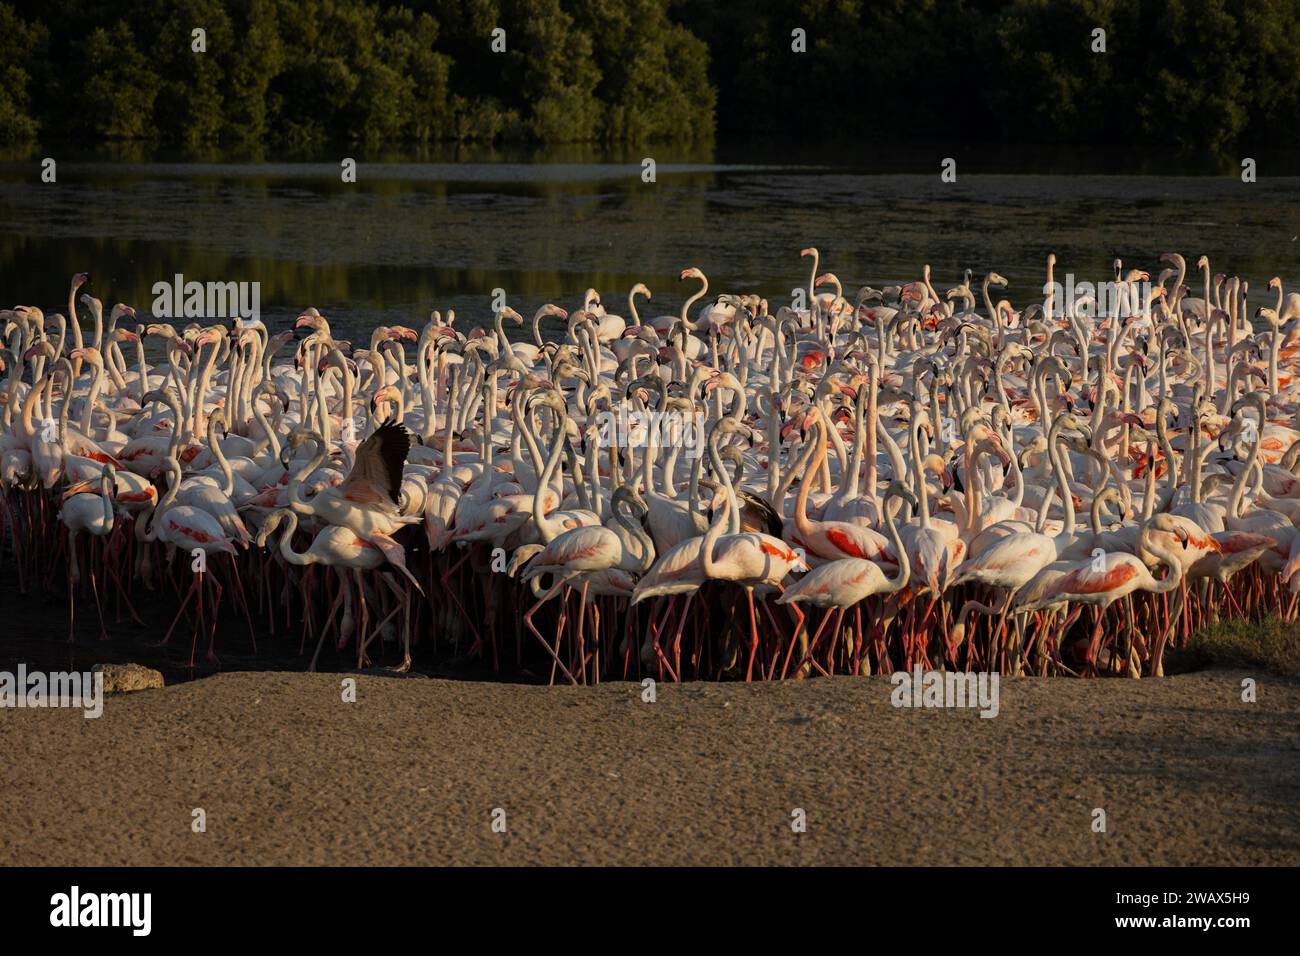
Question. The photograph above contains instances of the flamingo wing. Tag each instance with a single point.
(1114, 573)
(377, 470)
(190, 527)
(583, 549)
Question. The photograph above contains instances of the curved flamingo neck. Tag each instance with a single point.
(296, 501)
(549, 528)
(802, 524)
(729, 513)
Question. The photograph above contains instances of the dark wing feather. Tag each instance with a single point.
(380, 459)
(757, 515)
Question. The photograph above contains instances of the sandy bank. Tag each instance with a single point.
(410, 774)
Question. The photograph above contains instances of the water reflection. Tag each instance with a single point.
(443, 228)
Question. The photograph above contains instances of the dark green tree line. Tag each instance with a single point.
(1182, 73)
(1186, 73)
(314, 71)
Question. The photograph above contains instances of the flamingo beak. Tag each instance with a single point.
(1000, 450)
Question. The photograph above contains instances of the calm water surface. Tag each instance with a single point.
(413, 236)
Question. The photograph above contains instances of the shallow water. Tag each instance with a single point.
(411, 236)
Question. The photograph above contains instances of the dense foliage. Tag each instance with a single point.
(1179, 72)
(1193, 73)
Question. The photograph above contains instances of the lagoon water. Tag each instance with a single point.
(444, 230)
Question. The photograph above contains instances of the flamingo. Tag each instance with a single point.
(1022, 415)
(87, 508)
(367, 500)
(342, 549)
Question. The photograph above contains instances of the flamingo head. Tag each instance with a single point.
(532, 380)
(793, 422)
(957, 635)
(268, 526)
(388, 393)
(1170, 524)
(722, 380)
(939, 468)
(911, 292)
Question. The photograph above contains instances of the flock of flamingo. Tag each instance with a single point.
(906, 479)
